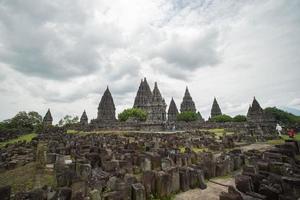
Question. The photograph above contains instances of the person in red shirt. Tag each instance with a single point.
(291, 133)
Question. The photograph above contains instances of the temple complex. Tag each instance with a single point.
(173, 111)
(215, 110)
(84, 119)
(187, 102)
(47, 120)
(106, 109)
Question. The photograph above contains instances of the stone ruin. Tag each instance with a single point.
(128, 166)
(270, 175)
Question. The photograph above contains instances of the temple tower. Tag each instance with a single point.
(187, 102)
(106, 109)
(215, 109)
(173, 111)
(255, 112)
(157, 109)
(47, 120)
(84, 119)
(143, 97)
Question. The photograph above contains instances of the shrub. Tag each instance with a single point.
(222, 118)
(239, 118)
(187, 116)
(136, 113)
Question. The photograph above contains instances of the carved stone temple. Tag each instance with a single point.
(151, 102)
(215, 110)
(106, 109)
(173, 111)
(84, 119)
(187, 102)
(47, 120)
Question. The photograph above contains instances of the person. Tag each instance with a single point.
(291, 133)
(278, 129)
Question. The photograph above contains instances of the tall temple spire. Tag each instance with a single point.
(47, 120)
(215, 109)
(173, 111)
(143, 96)
(106, 109)
(157, 109)
(187, 102)
(84, 118)
(255, 112)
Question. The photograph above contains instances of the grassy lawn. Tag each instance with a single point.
(24, 178)
(27, 138)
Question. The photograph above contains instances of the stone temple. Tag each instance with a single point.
(173, 111)
(106, 109)
(215, 110)
(151, 102)
(157, 108)
(47, 120)
(84, 119)
(187, 102)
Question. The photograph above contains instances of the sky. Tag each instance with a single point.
(63, 54)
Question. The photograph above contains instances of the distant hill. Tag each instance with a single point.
(293, 111)
(282, 116)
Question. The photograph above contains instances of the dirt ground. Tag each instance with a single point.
(213, 190)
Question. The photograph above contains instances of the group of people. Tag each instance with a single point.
(290, 132)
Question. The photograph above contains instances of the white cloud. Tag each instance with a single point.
(62, 55)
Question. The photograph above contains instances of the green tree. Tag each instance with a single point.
(187, 116)
(23, 122)
(222, 118)
(68, 120)
(135, 113)
(239, 118)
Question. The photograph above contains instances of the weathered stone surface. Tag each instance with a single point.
(138, 192)
(5, 192)
(162, 184)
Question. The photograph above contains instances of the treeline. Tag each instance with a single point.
(282, 116)
(22, 123)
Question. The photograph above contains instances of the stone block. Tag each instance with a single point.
(138, 192)
(5, 192)
(148, 180)
(244, 183)
(162, 184)
(184, 179)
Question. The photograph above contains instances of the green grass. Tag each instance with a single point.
(24, 178)
(283, 137)
(27, 138)
(297, 137)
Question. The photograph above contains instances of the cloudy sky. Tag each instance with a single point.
(62, 54)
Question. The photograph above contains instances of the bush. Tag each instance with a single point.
(239, 118)
(222, 118)
(187, 116)
(136, 113)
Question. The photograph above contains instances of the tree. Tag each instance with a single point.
(239, 118)
(68, 120)
(187, 116)
(222, 118)
(22, 122)
(135, 113)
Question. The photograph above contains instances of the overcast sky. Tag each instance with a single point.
(62, 54)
